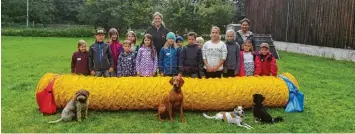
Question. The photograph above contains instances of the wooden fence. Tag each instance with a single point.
(329, 23)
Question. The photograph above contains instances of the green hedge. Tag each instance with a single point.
(48, 32)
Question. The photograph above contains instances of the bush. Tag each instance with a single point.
(48, 32)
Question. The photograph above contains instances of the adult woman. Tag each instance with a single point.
(244, 34)
(158, 31)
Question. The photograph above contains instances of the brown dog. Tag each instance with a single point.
(76, 108)
(174, 100)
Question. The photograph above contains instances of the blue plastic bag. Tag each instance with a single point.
(296, 99)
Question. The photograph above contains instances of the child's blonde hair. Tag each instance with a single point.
(126, 42)
(166, 45)
(246, 43)
(134, 34)
(200, 39)
(219, 31)
(81, 42)
(228, 31)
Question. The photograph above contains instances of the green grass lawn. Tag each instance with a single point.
(328, 86)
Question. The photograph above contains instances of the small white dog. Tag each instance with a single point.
(235, 117)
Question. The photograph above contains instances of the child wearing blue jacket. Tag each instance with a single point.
(169, 57)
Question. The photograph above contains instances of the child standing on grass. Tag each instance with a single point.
(265, 62)
(169, 57)
(100, 56)
(247, 58)
(116, 48)
(127, 61)
(132, 37)
(200, 41)
(79, 61)
(231, 65)
(190, 60)
(214, 54)
(147, 61)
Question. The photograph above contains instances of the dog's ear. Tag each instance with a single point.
(263, 98)
(171, 81)
(87, 93)
(181, 82)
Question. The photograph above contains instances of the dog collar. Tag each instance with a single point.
(236, 113)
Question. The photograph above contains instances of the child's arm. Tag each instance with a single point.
(73, 62)
(200, 63)
(110, 58)
(273, 66)
(257, 66)
(161, 60)
(178, 58)
(155, 64)
(90, 59)
(119, 67)
(138, 61)
(224, 57)
(237, 68)
(134, 64)
(181, 60)
(204, 57)
(241, 64)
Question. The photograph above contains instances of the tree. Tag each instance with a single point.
(13, 11)
(123, 14)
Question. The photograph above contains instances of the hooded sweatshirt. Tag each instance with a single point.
(191, 60)
(232, 62)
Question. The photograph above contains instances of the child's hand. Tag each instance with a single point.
(256, 75)
(92, 72)
(138, 74)
(73, 73)
(110, 70)
(214, 69)
(209, 69)
(153, 74)
(161, 74)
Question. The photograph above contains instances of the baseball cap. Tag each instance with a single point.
(264, 45)
(100, 31)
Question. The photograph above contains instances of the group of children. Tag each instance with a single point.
(197, 59)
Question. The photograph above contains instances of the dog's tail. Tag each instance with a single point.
(56, 121)
(278, 119)
(208, 117)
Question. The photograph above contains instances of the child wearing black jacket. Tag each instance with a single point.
(190, 60)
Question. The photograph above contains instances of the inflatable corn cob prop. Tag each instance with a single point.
(139, 93)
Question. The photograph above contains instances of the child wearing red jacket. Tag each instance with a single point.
(265, 62)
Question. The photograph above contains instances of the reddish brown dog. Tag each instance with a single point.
(174, 100)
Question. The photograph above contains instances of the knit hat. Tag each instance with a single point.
(180, 38)
(171, 35)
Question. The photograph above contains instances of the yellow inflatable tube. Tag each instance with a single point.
(139, 93)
